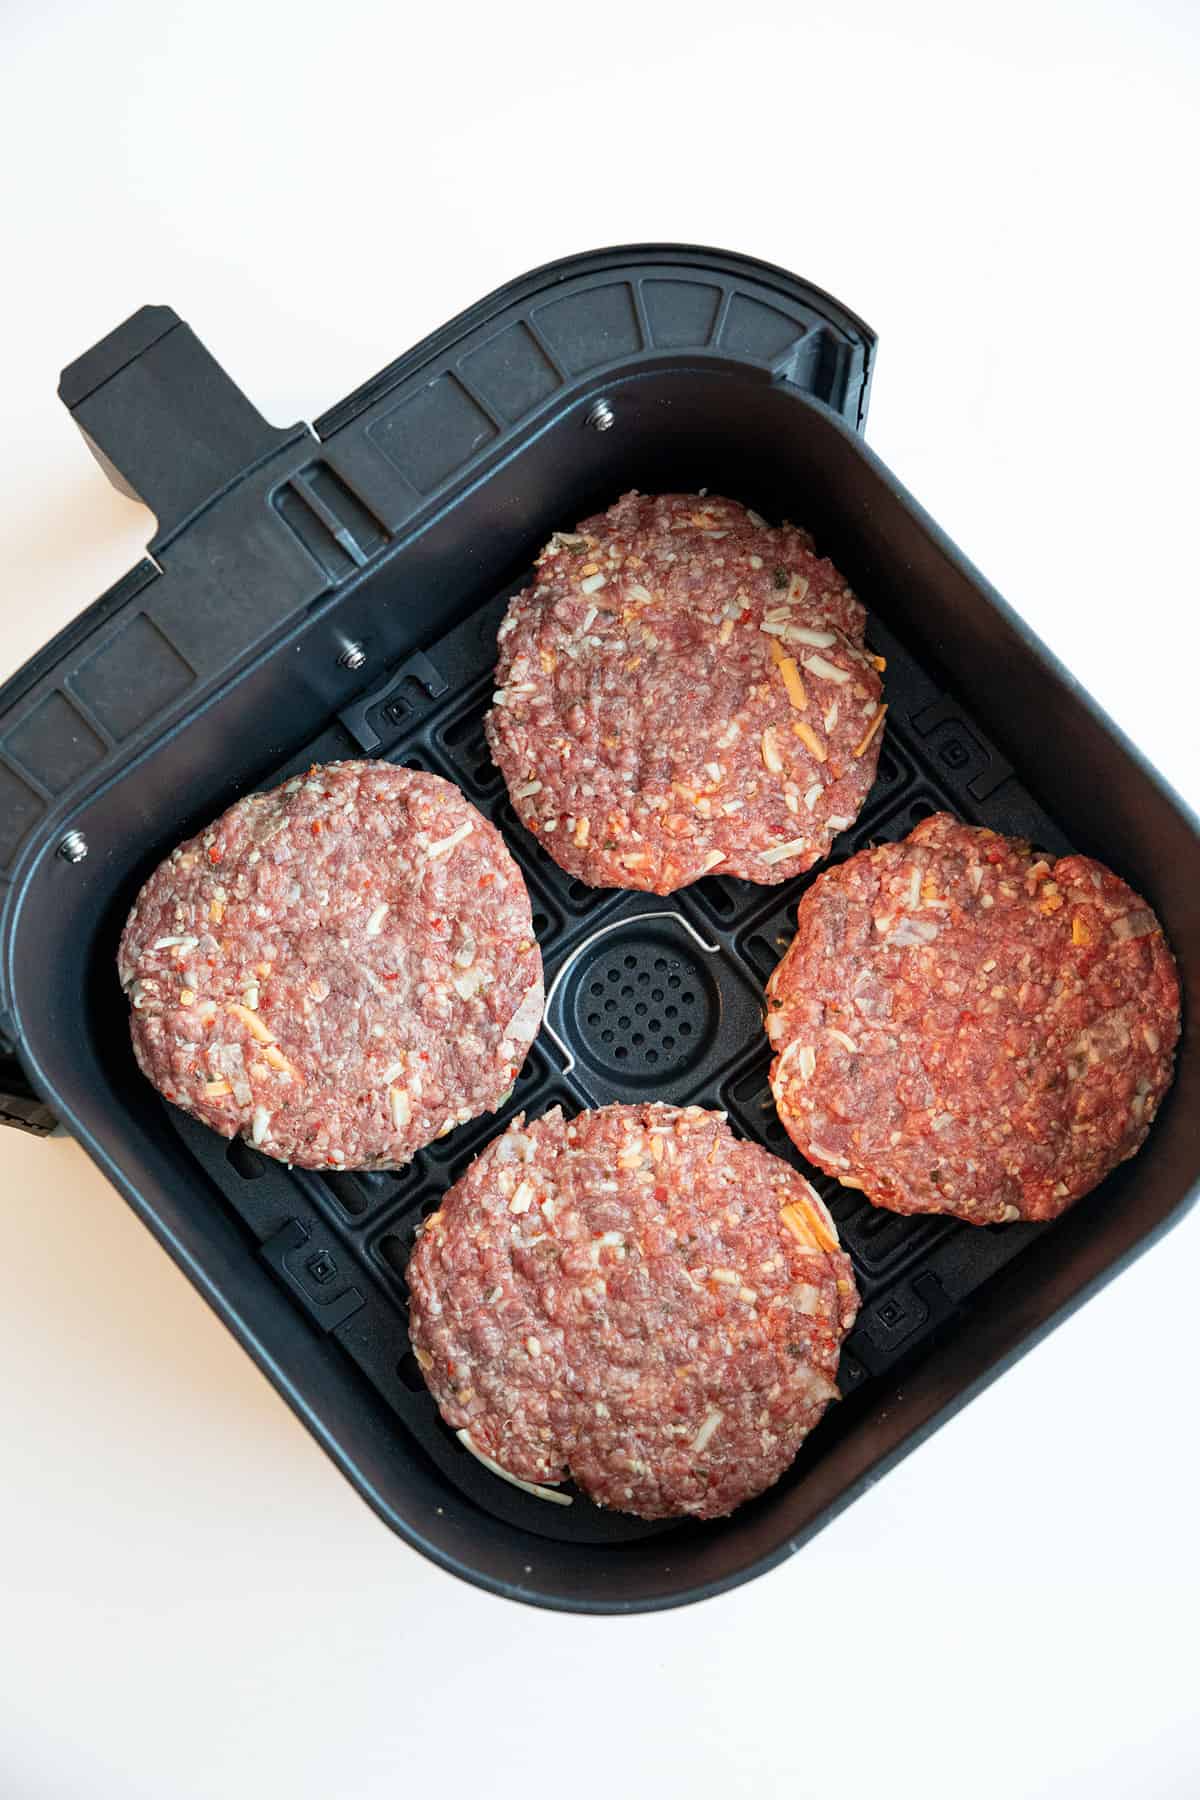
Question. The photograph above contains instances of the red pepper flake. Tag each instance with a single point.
(315, 828)
(391, 974)
(214, 855)
(424, 1056)
(660, 1194)
(437, 921)
(486, 880)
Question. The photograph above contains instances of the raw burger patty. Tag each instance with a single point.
(340, 970)
(963, 1026)
(634, 1299)
(685, 690)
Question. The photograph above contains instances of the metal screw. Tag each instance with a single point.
(353, 657)
(73, 848)
(601, 417)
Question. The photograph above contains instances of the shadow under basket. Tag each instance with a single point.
(334, 591)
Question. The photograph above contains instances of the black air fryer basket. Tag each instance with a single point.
(335, 591)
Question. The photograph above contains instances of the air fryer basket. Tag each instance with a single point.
(336, 593)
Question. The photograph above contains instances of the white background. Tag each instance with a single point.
(192, 1601)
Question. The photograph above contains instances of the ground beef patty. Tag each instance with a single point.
(634, 1299)
(340, 970)
(685, 690)
(963, 1026)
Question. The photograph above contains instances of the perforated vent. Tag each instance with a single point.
(643, 1007)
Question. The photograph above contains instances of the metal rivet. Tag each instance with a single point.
(353, 657)
(73, 848)
(601, 418)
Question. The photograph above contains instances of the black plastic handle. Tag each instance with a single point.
(162, 418)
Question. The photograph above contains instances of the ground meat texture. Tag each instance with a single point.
(964, 1026)
(636, 1300)
(685, 690)
(340, 970)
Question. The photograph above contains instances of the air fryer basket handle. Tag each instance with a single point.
(162, 418)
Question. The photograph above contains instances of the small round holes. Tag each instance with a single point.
(626, 1007)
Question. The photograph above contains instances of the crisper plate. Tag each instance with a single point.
(647, 998)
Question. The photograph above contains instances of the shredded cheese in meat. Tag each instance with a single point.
(256, 1026)
(810, 740)
(790, 676)
(780, 852)
(712, 1420)
(808, 1221)
(864, 742)
(443, 846)
(825, 671)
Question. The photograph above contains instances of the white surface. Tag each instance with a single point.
(193, 1602)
